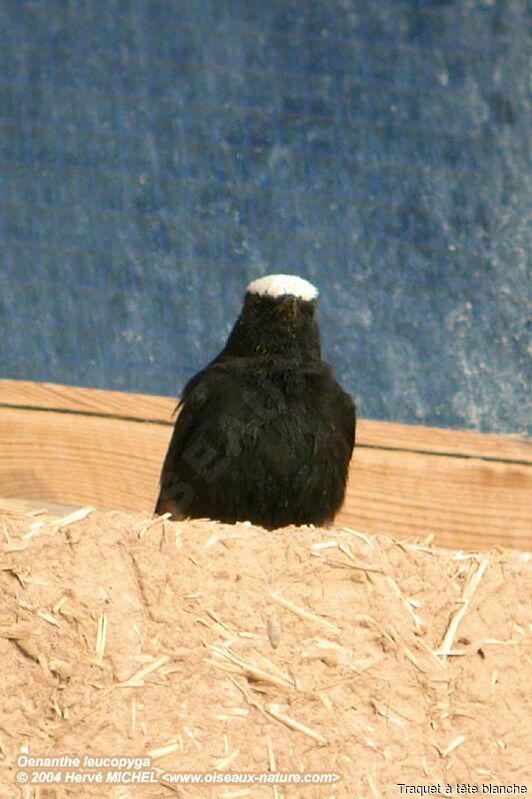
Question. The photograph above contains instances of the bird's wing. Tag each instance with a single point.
(206, 432)
(191, 409)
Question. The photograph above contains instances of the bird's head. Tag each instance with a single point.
(278, 318)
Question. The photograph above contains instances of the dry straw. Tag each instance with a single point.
(377, 672)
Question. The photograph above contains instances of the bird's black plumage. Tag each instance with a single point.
(264, 432)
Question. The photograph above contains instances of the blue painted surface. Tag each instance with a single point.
(156, 155)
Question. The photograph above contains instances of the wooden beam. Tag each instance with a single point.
(151, 408)
(85, 446)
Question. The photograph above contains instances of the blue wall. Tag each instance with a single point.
(156, 155)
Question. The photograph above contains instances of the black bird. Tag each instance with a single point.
(264, 433)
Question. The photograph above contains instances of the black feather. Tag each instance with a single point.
(264, 433)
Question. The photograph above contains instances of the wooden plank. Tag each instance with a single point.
(29, 394)
(463, 443)
(383, 435)
(87, 460)
(83, 454)
(466, 502)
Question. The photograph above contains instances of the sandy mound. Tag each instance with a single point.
(212, 647)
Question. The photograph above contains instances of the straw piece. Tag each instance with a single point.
(387, 713)
(293, 724)
(101, 638)
(356, 564)
(154, 523)
(163, 751)
(59, 604)
(433, 655)
(272, 766)
(325, 699)
(362, 536)
(72, 518)
(20, 575)
(58, 524)
(392, 637)
(33, 530)
(6, 533)
(219, 629)
(406, 602)
(221, 765)
(346, 656)
(268, 665)
(43, 614)
(324, 545)
(373, 788)
(473, 579)
(271, 756)
(214, 616)
(452, 746)
(193, 738)
(248, 696)
(137, 679)
(304, 614)
(414, 547)
(410, 656)
(250, 670)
